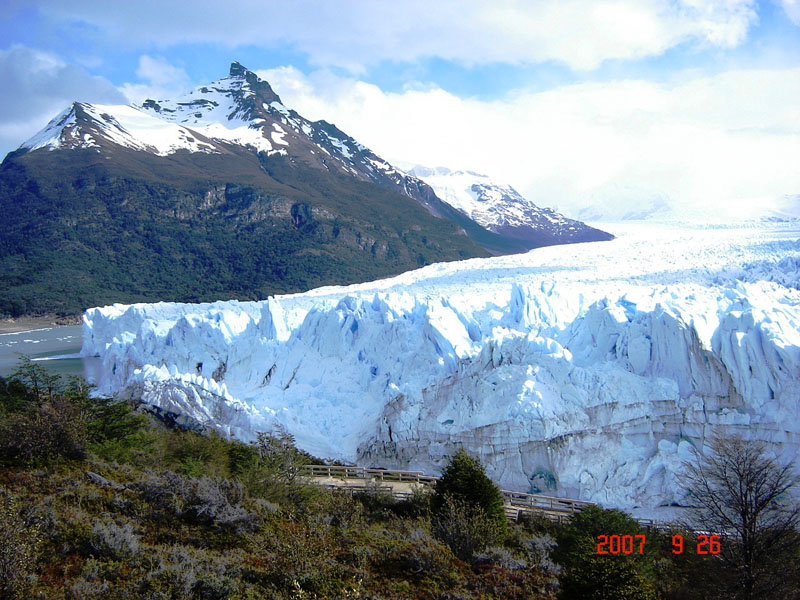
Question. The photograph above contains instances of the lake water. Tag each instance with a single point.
(55, 348)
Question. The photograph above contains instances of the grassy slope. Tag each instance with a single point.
(180, 515)
(98, 501)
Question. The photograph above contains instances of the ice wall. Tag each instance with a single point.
(588, 371)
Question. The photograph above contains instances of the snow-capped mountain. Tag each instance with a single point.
(248, 197)
(588, 370)
(241, 113)
(237, 112)
(501, 209)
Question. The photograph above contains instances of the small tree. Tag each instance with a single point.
(463, 527)
(588, 575)
(42, 384)
(465, 494)
(278, 453)
(741, 493)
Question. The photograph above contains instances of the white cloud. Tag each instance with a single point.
(354, 34)
(724, 144)
(792, 10)
(158, 80)
(38, 85)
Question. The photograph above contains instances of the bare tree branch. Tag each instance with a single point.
(740, 493)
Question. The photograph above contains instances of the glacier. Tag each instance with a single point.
(588, 371)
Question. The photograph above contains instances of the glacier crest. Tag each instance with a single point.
(561, 375)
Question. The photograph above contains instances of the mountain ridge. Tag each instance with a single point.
(503, 210)
(231, 194)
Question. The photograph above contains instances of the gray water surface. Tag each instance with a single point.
(55, 348)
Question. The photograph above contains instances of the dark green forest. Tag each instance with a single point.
(77, 232)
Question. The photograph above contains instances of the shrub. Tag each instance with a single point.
(182, 572)
(53, 428)
(379, 504)
(204, 501)
(300, 558)
(47, 418)
(537, 523)
(339, 509)
(19, 542)
(39, 385)
(539, 549)
(500, 557)
(109, 419)
(412, 553)
(163, 572)
(465, 528)
(217, 501)
(269, 467)
(73, 532)
(84, 589)
(278, 454)
(465, 481)
(199, 454)
(14, 396)
(112, 540)
(176, 572)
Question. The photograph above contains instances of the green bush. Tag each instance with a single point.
(465, 528)
(467, 508)
(44, 418)
(301, 558)
(196, 454)
(588, 575)
(54, 428)
(337, 508)
(412, 553)
(464, 479)
(111, 419)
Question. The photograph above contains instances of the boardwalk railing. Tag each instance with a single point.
(551, 503)
(342, 472)
(516, 503)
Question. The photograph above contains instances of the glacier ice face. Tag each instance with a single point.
(588, 370)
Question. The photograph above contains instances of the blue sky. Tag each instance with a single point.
(677, 101)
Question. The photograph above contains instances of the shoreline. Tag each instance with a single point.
(22, 324)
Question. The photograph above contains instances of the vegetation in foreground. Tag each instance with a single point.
(100, 501)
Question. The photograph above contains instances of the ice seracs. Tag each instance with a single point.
(588, 370)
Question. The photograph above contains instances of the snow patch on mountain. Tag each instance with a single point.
(500, 208)
(123, 125)
(477, 196)
(236, 113)
(588, 370)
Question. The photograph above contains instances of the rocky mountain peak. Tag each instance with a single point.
(238, 69)
(259, 88)
(242, 96)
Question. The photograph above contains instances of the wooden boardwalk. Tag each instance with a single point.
(401, 484)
